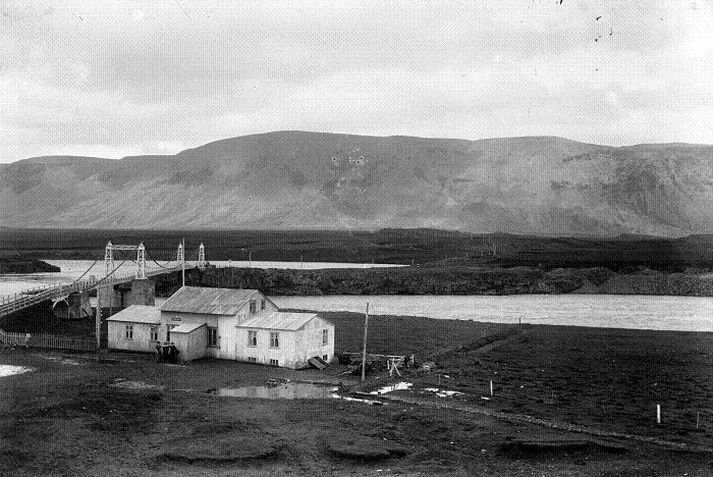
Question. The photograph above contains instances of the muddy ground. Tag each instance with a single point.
(126, 414)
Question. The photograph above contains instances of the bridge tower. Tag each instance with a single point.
(141, 262)
(179, 254)
(201, 256)
(109, 259)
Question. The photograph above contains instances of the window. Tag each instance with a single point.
(154, 333)
(262, 304)
(129, 332)
(253, 306)
(274, 340)
(252, 338)
(252, 359)
(274, 362)
(325, 357)
(212, 337)
(325, 337)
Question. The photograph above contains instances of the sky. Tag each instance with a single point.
(111, 79)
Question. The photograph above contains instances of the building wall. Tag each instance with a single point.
(309, 342)
(262, 352)
(227, 333)
(191, 345)
(141, 338)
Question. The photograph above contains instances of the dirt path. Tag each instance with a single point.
(522, 418)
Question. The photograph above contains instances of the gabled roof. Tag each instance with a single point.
(138, 314)
(278, 320)
(187, 327)
(208, 301)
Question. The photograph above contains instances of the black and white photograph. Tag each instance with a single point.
(356, 238)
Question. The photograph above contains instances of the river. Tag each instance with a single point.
(615, 311)
(71, 270)
(682, 313)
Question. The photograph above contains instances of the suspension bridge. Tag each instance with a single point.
(112, 276)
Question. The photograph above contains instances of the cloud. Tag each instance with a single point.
(137, 76)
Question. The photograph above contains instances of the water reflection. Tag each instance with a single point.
(282, 391)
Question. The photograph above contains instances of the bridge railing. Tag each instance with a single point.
(29, 297)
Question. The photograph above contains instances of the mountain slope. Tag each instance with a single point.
(536, 185)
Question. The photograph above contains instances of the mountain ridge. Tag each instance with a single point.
(542, 185)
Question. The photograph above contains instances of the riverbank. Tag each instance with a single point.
(446, 280)
(71, 415)
(17, 265)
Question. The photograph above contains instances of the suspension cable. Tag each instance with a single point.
(86, 271)
(154, 261)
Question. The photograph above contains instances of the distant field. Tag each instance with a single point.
(403, 246)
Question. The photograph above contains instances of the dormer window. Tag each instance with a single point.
(253, 306)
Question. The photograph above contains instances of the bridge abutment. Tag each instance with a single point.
(143, 292)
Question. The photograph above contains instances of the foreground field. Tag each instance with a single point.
(73, 415)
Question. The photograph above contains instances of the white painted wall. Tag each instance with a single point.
(263, 352)
(309, 341)
(141, 340)
(191, 345)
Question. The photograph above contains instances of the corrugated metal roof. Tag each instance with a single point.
(278, 320)
(187, 327)
(138, 314)
(208, 301)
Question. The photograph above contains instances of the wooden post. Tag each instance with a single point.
(491, 388)
(183, 262)
(698, 418)
(658, 414)
(98, 320)
(363, 352)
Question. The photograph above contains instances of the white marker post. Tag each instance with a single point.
(491, 388)
(363, 353)
(658, 414)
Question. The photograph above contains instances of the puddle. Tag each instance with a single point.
(443, 392)
(139, 385)
(67, 361)
(292, 390)
(281, 391)
(365, 401)
(9, 370)
(391, 387)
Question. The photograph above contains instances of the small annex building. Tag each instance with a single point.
(225, 323)
(136, 328)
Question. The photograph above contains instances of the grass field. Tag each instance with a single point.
(67, 417)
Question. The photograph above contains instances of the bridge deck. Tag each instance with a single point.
(32, 296)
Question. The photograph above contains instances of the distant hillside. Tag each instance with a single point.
(301, 180)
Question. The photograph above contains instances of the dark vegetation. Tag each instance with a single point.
(402, 246)
(445, 280)
(443, 262)
(15, 263)
(604, 378)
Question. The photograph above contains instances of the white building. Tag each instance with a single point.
(225, 323)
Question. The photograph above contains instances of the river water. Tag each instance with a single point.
(611, 311)
(74, 269)
(615, 311)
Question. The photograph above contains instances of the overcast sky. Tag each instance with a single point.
(159, 76)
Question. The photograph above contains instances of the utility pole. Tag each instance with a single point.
(98, 321)
(183, 261)
(363, 353)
